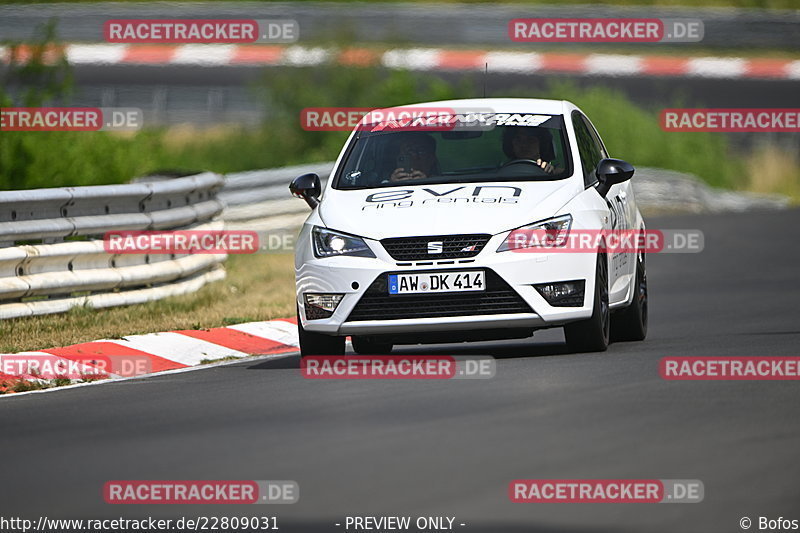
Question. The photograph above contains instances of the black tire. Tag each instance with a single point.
(592, 334)
(630, 324)
(363, 345)
(312, 343)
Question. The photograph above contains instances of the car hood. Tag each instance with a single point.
(443, 209)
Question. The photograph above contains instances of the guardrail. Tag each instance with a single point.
(259, 200)
(52, 256)
(51, 250)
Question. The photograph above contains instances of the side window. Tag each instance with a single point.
(590, 150)
(595, 137)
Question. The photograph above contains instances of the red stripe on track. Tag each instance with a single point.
(238, 340)
(23, 54)
(564, 62)
(767, 68)
(8, 381)
(461, 59)
(149, 54)
(82, 352)
(359, 57)
(664, 66)
(256, 55)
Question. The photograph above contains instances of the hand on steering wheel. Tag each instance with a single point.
(544, 165)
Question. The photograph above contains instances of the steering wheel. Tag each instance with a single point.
(515, 161)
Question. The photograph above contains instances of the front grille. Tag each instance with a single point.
(453, 246)
(378, 304)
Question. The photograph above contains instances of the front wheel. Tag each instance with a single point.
(630, 324)
(312, 343)
(592, 334)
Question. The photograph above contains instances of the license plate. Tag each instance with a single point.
(437, 282)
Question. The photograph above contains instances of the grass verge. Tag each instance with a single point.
(258, 287)
(773, 169)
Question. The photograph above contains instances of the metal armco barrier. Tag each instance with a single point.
(52, 256)
(259, 200)
(51, 249)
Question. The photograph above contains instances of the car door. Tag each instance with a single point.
(592, 151)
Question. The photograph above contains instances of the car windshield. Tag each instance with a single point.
(518, 147)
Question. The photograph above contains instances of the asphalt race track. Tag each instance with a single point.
(450, 448)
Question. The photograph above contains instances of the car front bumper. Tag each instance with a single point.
(353, 276)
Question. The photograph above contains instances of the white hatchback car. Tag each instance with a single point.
(410, 241)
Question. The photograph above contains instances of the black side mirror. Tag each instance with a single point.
(610, 172)
(308, 188)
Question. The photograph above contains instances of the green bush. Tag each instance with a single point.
(30, 160)
(53, 159)
(633, 133)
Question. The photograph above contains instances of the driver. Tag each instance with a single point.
(531, 143)
(415, 155)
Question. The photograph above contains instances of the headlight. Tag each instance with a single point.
(550, 233)
(328, 243)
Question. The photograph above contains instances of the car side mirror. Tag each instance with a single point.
(610, 172)
(308, 188)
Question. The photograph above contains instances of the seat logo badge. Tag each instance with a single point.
(435, 247)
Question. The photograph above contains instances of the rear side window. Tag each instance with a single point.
(589, 147)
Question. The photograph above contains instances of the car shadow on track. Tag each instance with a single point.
(499, 350)
(282, 363)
